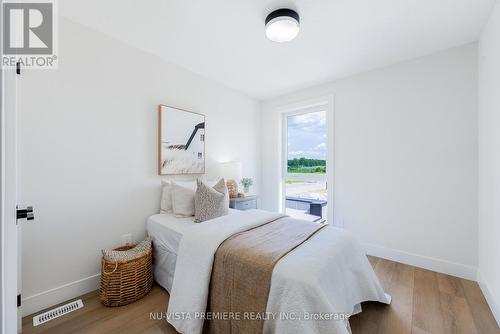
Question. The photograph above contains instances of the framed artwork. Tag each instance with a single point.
(181, 141)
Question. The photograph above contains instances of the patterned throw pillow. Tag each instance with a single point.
(120, 256)
(210, 202)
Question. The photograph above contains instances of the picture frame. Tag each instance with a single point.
(181, 141)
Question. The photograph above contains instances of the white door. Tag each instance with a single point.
(11, 315)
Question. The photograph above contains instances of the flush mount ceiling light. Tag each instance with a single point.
(282, 25)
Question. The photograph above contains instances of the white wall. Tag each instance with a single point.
(489, 162)
(405, 159)
(88, 153)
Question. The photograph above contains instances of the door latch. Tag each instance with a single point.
(25, 213)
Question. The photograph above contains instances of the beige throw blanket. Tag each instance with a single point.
(242, 270)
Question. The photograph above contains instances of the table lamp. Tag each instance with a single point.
(231, 171)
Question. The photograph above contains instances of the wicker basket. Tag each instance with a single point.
(125, 282)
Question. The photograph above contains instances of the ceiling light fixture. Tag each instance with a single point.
(282, 25)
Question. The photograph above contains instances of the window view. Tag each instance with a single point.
(305, 180)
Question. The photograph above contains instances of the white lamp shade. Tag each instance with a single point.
(282, 29)
(230, 170)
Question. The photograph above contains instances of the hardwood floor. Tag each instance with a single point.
(423, 302)
(96, 318)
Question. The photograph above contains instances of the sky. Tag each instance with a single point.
(307, 136)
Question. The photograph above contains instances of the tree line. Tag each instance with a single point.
(304, 162)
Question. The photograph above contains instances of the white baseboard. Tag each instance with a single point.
(494, 306)
(45, 299)
(441, 266)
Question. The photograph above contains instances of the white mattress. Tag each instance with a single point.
(166, 230)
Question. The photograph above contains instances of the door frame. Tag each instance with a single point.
(321, 103)
(9, 321)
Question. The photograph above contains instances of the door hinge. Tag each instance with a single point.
(25, 213)
(19, 300)
(18, 67)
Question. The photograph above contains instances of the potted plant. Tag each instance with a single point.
(246, 182)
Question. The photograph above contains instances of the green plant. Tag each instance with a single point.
(246, 182)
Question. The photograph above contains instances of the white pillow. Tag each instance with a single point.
(182, 200)
(166, 197)
(166, 193)
(187, 184)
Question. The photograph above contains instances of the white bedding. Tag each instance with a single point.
(326, 275)
(166, 230)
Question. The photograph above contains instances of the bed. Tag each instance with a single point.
(166, 231)
(327, 276)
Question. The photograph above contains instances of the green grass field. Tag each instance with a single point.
(302, 170)
(293, 181)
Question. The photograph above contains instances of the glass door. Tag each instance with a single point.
(305, 178)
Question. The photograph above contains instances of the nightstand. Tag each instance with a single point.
(243, 203)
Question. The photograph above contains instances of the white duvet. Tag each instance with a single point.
(326, 276)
